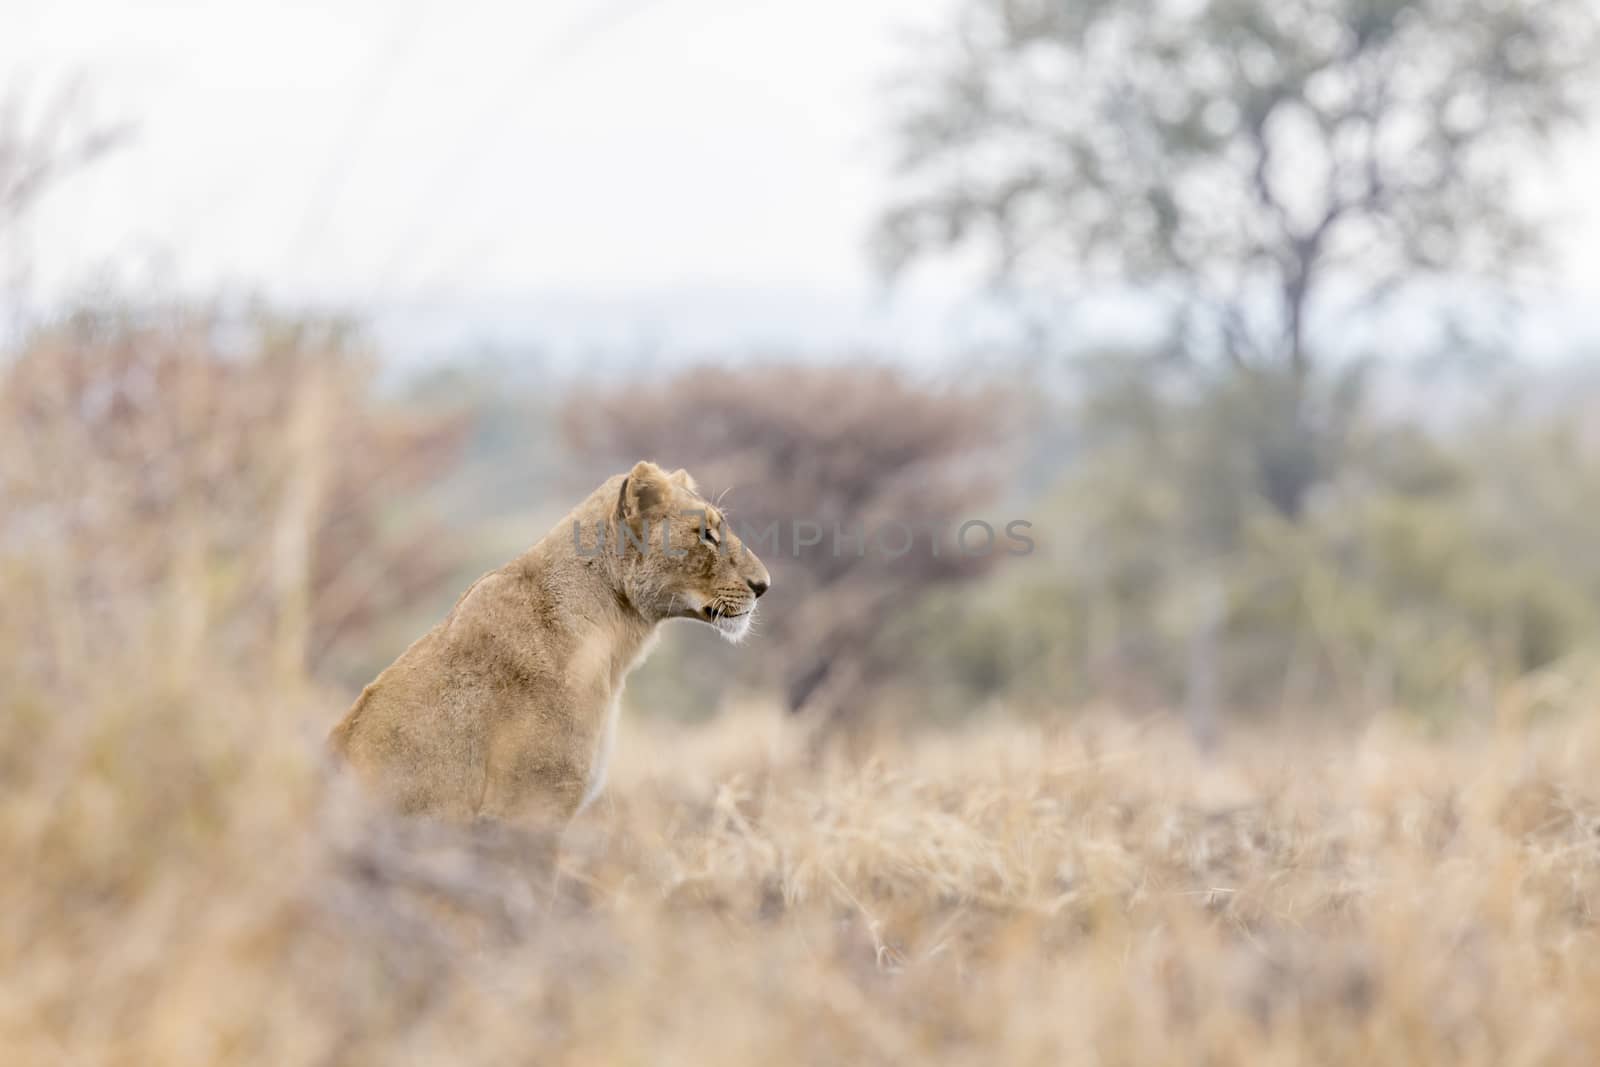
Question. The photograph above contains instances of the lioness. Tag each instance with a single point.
(507, 709)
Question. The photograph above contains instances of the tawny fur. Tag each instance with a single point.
(503, 709)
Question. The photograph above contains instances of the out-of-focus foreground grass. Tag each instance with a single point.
(186, 882)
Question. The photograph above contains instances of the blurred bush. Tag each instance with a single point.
(1435, 569)
(846, 449)
(172, 478)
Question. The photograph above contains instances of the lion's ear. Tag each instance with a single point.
(682, 480)
(644, 491)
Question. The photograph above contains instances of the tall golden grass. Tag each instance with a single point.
(187, 884)
(183, 879)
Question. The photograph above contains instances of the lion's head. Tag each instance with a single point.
(678, 558)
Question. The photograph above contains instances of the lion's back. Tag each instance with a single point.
(414, 737)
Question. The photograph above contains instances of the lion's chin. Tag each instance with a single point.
(734, 628)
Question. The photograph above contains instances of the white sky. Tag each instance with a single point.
(421, 153)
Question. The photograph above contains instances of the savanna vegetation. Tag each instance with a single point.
(1388, 851)
(1277, 749)
(187, 883)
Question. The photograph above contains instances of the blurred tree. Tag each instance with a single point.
(35, 155)
(847, 449)
(1258, 165)
(39, 148)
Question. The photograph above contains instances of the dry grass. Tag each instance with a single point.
(186, 884)
(182, 880)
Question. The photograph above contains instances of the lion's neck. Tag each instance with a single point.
(580, 591)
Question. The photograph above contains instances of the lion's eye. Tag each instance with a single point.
(710, 536)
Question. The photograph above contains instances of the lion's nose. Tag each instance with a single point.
(759, 586)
